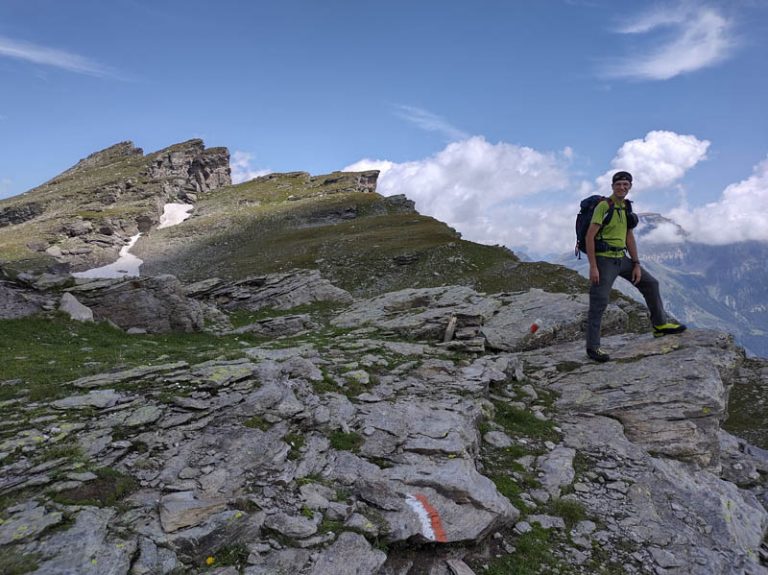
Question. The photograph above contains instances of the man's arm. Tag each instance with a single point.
(594, 273)
(632, 249)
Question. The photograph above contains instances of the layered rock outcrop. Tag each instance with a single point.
(145, 304)
(189, 169)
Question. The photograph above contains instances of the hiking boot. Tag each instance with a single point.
(598, 355)
(667, 329)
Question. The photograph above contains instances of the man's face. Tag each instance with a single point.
(621, 188)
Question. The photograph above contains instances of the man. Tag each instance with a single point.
(609, 260)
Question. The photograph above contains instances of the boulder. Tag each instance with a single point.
(155, 304)
(74, 309)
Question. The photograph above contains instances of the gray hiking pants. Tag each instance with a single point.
(610, 269)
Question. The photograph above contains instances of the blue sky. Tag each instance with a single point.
(495, 116)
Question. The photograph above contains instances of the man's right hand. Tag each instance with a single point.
(594, 275)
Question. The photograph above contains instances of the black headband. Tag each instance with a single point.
(622, 176)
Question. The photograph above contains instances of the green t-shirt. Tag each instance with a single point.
(614, 233)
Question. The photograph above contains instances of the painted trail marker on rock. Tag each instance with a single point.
(431, 524)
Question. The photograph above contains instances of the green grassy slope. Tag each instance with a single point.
(361, 241)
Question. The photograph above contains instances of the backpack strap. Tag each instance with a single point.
(609, 214)
(606, 218)
(600, 244)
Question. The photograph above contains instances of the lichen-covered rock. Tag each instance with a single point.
(89, 546)
(351, 554)
(685, 519)
(422, 312)
(74, 309)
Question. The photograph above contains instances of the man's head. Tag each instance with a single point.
(621, 184)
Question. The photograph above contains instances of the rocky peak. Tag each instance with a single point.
(85, 215)
(651, 222)
(190, 168)
(105, 157)
(356, 181)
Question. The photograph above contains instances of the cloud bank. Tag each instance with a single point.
(682, 39)
(51, 57)
(740, 215)
(527, 199)
(664, 233)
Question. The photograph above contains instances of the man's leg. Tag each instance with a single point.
(649, 288)
(609, 269)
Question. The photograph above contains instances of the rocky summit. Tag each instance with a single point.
(280, 422)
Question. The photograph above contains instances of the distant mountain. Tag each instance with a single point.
(721, 287)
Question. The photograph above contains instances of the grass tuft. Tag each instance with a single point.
(16, 563)
(346, 441)
(109, 487)
(296, 441)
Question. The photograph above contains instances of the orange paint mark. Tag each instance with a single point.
(434, 518)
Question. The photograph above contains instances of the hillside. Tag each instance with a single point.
(332, 384)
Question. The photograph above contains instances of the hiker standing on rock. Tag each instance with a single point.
(609, 238)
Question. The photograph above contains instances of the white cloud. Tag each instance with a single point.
(524, 199)
(51, 57)
(486, 191)
(741, 214)
(664, 233)
(240, 162)
(659, 160)
(430, 122)
(699, 37)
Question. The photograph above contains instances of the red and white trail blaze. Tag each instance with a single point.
(431, 524)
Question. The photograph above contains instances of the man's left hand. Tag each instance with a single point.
(637, 273)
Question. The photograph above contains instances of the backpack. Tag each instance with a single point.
(584, 219)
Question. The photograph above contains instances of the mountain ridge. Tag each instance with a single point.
(96, 215)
